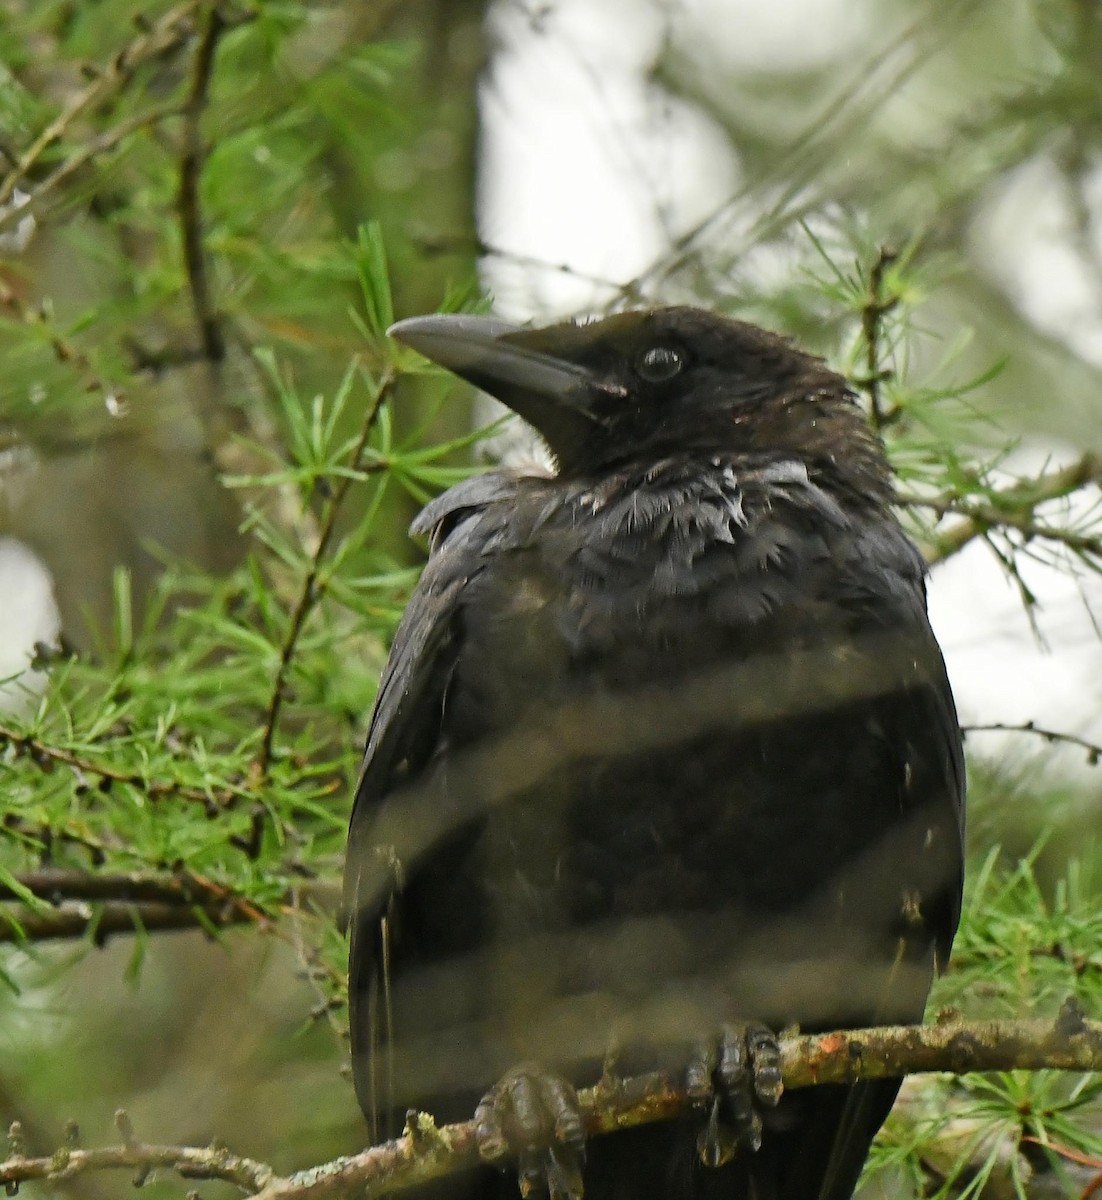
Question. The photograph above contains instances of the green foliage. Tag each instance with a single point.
(1022, 949)
(150, 756)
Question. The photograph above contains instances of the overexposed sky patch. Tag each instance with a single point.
(584, 165)
(30, 616)
(1027, 237)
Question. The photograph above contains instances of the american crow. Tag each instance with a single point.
(664, 758)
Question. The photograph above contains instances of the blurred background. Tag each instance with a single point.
(182, 184)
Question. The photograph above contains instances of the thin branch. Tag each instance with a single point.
(437, 244)
(1053, 736)
(425, 1152)
(112, 903)
(106, 918)
(327, 983)
(42, 837)
(785, 188)
(188, 201)
(166, 34)
(875, 308)
(102, 144)
(1011, 508)
(57, 884)
(312, 589)
(65, 351)
(1074, 157)
(212, 800)
(982, 518)
(192, 1162)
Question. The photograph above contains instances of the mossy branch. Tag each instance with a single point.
(424, 1152)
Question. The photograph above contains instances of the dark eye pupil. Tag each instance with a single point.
(659, 363)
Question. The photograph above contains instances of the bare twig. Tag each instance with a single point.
(425, 1152)
(193, 1162)
(326, 982)
(875, 308)
(312, 589)
(64, 350)
(188, 203)
(103, 144)
(436, 244)
(1053, 736)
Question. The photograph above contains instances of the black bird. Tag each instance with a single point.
(664, 759)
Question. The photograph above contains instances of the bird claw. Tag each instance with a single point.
(731, 1079)
(533, 1116)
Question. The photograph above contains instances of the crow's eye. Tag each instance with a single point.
(659, 363)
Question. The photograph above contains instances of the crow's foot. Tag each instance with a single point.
(532, 1115)
(731, 1079)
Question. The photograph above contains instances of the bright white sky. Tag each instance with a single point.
(30, 616)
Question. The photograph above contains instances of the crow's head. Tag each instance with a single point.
(646, 385)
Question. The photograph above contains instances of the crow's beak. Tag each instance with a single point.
(520, 367)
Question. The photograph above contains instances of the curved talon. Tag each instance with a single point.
(534, 1117)
(732, 1080)
(492, 1146)
(698, 1075)
(765, 1058)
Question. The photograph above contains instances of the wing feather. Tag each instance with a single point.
(404, 735)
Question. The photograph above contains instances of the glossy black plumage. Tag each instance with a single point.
(664, 740)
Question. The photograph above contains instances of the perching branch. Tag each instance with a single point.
(425, 1152)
